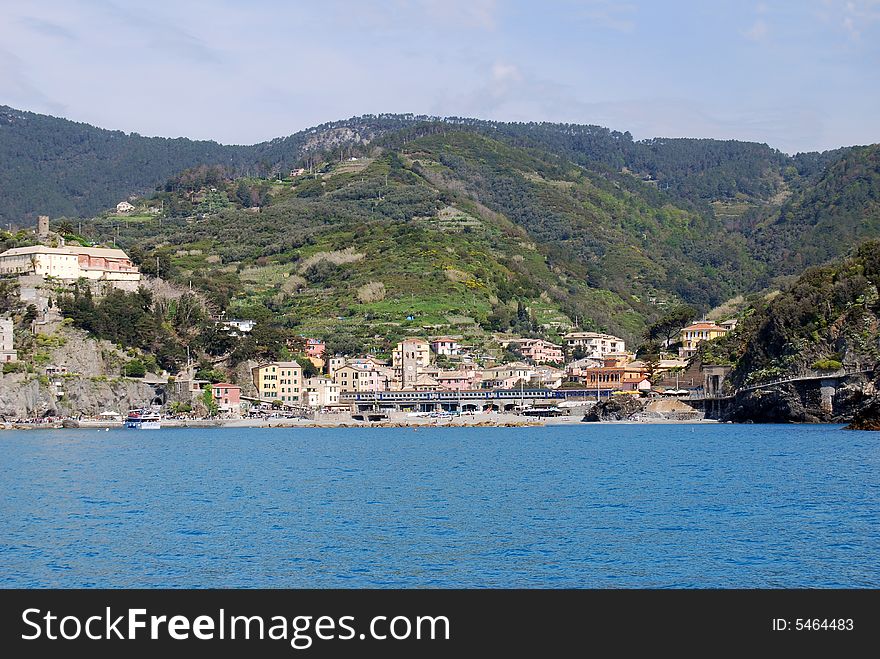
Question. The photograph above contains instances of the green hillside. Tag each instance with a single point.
(824, 217)
(390, 245)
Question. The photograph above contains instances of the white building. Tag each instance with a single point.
(445, 345)
(124, 207)
(595, 345)
(7, 349)
(237, 327)
(70, 263)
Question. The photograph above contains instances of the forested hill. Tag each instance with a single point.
(59, 167)
(837, 209)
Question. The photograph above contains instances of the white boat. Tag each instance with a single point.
(143, 420)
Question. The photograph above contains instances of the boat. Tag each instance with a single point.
(143, 420)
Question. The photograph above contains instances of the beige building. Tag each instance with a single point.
(595, 345)
(358, 378)
(507, 376)
(280, 381)
(70, 263)
(408, 358)
(538, 350)
(7, 349)
(322, 392)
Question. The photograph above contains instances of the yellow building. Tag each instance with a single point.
(279, 381)
(693, 335)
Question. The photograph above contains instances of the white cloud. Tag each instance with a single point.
(854, 16)
(758, 31)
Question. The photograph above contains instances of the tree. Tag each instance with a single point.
(30, 315)
(134, 369)
(309, 370)
(669, 324)
(65, 228)
(210, 403)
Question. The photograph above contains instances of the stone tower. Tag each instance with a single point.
(43, 226)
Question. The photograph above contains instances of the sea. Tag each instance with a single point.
(569, 506)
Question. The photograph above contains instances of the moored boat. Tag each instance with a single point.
(143, 420)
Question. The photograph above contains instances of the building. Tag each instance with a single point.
(576, 369)
(237, 327)
(595, 345)
(322, 392)
(281, 381)
(604, 377)
(547, 377)
(70, 263)
(334, 364)
(42, 227)
(693, 335)
(408, 357)
(445, 345)
(360, 378)
(538, 351)
(425, 382)
(507, 376)
(460, 380)
(7, 349)
(227, 396)
(315, 348)
(124, 207)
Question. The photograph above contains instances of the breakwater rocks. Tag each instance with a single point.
(867, 418)
(616, 408)
(631, 408)
(779, 404)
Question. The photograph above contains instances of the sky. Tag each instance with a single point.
(800, 75)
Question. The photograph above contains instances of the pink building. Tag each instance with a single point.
(457, 380)
(227, 396)
(315, 348)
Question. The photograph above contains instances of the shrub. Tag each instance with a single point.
(134, 369)
(827, 365)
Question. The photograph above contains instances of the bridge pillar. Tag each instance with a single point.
(828, 388)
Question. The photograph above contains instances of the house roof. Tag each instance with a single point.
(708, 324)
(106, 252)
(67, 250)
(226, 385)
(592, 335)
(36, 249)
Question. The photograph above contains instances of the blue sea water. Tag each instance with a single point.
(568, 506)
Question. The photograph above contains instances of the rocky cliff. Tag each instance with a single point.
(802, 402)
(25, 395)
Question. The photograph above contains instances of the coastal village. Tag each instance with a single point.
(425, 375)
